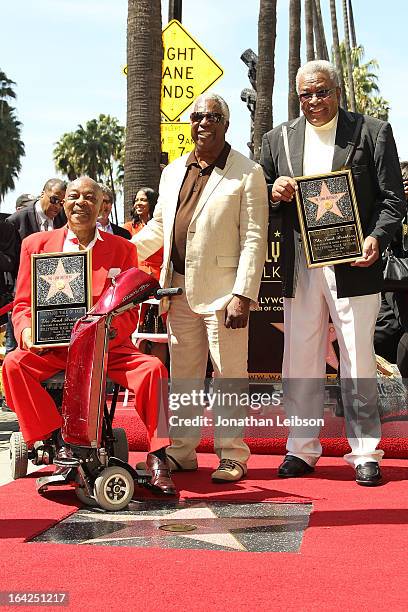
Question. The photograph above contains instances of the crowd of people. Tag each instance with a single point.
(206, 232)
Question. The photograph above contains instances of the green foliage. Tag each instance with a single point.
(11, 145)
(93, 150)
(365, 84)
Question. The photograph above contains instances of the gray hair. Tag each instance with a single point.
(107, 191)
(84, 176)
(318, 66)
(209, 95)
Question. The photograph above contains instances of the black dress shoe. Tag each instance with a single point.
(292, 467)
(368, 474)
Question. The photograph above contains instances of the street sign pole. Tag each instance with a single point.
(175, 9)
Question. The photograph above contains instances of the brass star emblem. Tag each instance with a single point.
(60, 281)
(327, 202)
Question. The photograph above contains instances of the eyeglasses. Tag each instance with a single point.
(55, 200)
(320, 95)
(210, 117)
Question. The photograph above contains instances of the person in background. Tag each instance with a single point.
(8, 264)
(43, 214)
(103, 222)
(391, 329)
(32, 215)
(24, 199)
(143, 206)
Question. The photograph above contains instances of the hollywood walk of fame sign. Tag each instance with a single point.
(329, 218)
(60, 295)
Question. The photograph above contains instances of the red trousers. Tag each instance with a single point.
(37, 413)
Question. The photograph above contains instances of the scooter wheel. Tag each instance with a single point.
(120, 444)
(18, 456)
(114, 488)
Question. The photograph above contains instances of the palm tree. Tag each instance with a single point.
(11, 145)
(265, 74)
(294, 57)
(93, 150)
(366, 88)
(144, 65)
(321, 46)
(113, 136)
(336, 52)
(350, 83)
(352, 27)
(6, 90)
(310, 53)
(66, 156)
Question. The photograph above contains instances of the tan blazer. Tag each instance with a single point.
(226, 240)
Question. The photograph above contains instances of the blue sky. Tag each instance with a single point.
(66, 57)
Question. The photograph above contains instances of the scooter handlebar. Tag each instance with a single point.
(159, 293)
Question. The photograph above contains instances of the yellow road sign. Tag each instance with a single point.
(176, 139)
(188, 70)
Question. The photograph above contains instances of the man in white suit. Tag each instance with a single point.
(211, 219)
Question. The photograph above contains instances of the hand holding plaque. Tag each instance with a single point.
(61, 294)
(329, 218)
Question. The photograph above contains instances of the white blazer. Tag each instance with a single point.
(226, 238)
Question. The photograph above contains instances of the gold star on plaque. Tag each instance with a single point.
(327, 202)
(60, 281)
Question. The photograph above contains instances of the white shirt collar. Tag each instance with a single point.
(71, 241)
(105, 228)
(42, 217)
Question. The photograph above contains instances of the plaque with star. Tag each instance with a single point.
(61, 294)
(329, 218)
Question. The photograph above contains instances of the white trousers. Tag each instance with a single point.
(191, 336)
(306, 319)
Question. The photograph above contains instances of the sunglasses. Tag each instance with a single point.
(55, 200)
(320, 95)
(210, 117)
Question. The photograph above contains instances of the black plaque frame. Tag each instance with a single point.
(52, 318)
(329, 241)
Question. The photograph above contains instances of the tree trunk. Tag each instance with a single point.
(310, 53)
(265, 74)
(352, 28)
(336, 52)
(321, 45)
(294, 57)
(144, 66)
(350, 81)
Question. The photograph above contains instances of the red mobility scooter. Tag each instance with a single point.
(99, 469)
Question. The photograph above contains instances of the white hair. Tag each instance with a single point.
(318, 66)
(209, 95)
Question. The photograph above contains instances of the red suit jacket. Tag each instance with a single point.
(111, 252)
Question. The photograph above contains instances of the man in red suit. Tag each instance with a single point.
(25, 368)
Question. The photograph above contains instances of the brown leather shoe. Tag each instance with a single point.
(161, 476)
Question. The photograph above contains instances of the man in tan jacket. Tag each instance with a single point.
(211, 219)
